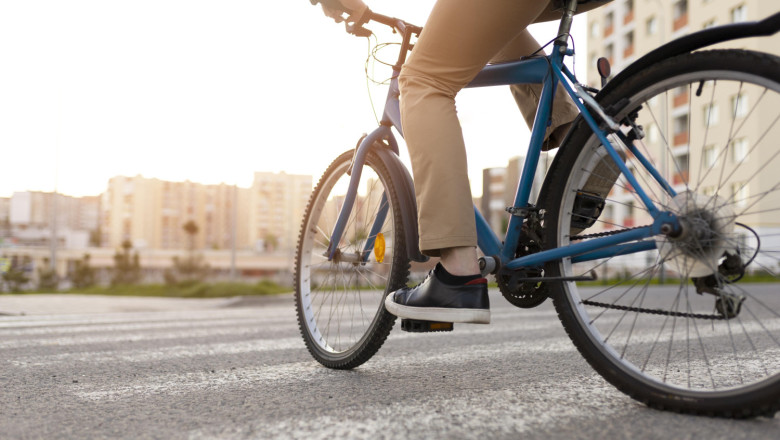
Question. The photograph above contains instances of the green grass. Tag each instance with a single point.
(183, 290)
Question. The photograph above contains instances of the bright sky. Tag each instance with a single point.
(202, 90)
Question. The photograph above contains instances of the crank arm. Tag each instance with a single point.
(590, 277)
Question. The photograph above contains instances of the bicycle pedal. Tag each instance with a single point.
(418, 326)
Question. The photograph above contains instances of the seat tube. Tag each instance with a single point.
(529, 167)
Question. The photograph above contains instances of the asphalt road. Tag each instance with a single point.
(151, 368)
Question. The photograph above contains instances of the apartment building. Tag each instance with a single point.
(5, 218)
(623, 31)
(151, 214)
(499, 187)
(31, 217)
(277, 202)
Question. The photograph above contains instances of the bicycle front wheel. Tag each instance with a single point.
(690, 323)
(340, 301)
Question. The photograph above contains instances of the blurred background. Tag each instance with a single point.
(174, 144)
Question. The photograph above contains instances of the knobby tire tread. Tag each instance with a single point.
(399, 274)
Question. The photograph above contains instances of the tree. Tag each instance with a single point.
(192, 268)
(127, 267)
(271, 241)
(83, 275)
(191, 228)
(14, 279)
(47, 276)
(95, 237)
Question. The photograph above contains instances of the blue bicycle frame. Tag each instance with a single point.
(549, 71)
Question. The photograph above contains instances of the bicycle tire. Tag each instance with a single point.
(351, 295)
(668, 346)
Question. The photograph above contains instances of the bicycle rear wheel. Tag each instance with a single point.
(340, 302)
(691, 324)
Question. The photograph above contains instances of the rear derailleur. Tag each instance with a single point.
(728, 305)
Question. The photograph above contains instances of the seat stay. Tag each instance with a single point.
(591, 121)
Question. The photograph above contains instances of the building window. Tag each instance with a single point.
(628, 44)
(609, 53)
(594, 29)
(739, 105)
(739, 150)
(681, 172)
(609, 24)
(628, 13)
(629, 218)
(709, 156)
(711, 115)
(740, 193)
(680, 14)
(739, 14)
(710, 23)
(651, 26)
(681, 130)
(680, 96)
(652, 134)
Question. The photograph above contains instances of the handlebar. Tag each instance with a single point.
(357, 28)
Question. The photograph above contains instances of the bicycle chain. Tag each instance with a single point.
(603, 234)
(654, 311)
(638, 309)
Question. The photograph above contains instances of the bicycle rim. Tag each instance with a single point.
(712, 121)
(340, 301)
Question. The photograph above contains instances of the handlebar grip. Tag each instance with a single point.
(332, 4)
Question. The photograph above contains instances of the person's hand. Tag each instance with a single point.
(357, 7)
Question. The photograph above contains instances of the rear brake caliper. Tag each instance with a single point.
(727, 305)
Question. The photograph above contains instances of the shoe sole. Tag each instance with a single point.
(438, 314)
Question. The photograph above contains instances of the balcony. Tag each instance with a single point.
(680, 139)
(629, 17)
(680, 178)
(680, 99)
(680, 22)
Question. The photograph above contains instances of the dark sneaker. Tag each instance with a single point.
(602, 178)
(432, 300)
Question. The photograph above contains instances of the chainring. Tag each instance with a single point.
(519, 293)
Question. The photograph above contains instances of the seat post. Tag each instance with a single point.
(569, 9)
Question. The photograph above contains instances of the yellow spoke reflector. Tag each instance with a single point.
(379, 247)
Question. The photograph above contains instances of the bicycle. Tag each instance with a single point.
(677, 319)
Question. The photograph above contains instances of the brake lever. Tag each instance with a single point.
(357, 30)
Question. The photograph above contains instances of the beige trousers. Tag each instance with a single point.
(458, 40)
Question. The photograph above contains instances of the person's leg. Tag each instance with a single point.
(460, 37)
